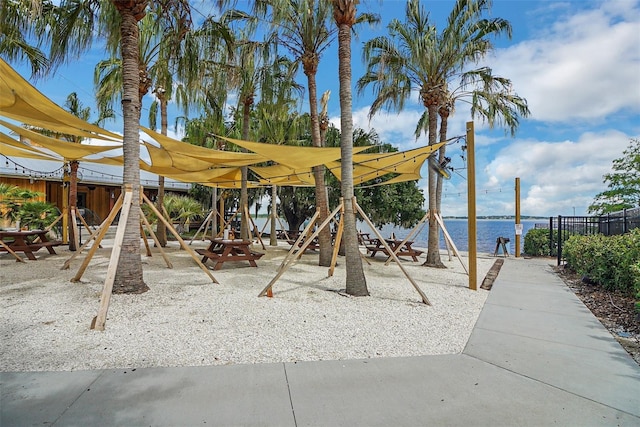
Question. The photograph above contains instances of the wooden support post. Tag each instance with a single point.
(74, 226)
(449, 241)
(253, 224)
(203, 227)
(336, 244)
(304, 247)
(410, 235)
(146, 242)
(296, 244)
(471, 207)
(100, 235)
(518, 224)
(100, 320)
(155, 238)
(83, 221)
(183, 244)
(391, 253)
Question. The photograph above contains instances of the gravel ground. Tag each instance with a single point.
(186, 320)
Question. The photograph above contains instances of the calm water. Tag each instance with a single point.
(488, 230)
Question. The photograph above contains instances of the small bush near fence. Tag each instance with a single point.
(611, 261)
(536, 242)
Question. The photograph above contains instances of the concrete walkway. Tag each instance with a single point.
(536, 357)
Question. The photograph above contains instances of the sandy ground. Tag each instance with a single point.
(186, 320)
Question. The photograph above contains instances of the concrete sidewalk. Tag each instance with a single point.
(536, 357)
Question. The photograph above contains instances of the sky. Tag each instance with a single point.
(577, 63)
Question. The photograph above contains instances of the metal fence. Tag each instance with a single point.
(563, 227)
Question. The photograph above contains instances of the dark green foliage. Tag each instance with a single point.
(398, 204)
(610, 261)
(536, 242)
(623, 183)
(37, 215)
(297, 204)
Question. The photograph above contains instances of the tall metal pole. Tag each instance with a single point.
(471, 207)
(518, 225)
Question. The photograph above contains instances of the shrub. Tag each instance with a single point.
(536, 242)
(611, 261)
(37, 215)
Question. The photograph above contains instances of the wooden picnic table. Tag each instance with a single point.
(376, 246)
(28, 241)
(222, 250)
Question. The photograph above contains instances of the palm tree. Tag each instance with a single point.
(21, 20)
(345, 15)
(72, 32)
(303, 29)
(75, 107)
(416, 56)
(252, 61)
(491, 99)
(276, 122)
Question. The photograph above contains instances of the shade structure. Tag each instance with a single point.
(22, 102)
(284, 175)
(10, 147)
(406, 164)
(293, 156)
(65, 149)
(210, 155)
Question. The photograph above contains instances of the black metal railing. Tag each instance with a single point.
(563, 227)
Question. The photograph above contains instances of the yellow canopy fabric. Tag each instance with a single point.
(293, 156)
(22, 102)
(373, 165)
(214, 157)
(68, 150)
(283, 175)
(10, 147)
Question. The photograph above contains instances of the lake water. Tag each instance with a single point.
(488, 230)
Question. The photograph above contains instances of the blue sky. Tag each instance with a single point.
(576, 62)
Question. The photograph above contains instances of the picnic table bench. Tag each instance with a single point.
(28, 242)
(376, 246)
(221, 251)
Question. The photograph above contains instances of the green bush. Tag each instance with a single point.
(611, 261)
(37, 215)
(536, 242)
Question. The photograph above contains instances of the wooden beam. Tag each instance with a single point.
(100, 320)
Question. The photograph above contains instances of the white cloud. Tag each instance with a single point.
(557, 176)
(585, 67)
(394, 128)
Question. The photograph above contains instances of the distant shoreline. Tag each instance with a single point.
(510, 218)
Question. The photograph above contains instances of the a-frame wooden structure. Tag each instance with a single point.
(123, 205)
(299, 248)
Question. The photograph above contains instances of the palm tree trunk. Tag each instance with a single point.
(444, 122)
(356, 282)
(273, 237)
(129, 277)
(73, 201)
(161, 232)
(433, 245)
(322, 198)
(244, 170)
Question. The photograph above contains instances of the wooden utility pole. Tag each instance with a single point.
(471, 207)
(518, 225)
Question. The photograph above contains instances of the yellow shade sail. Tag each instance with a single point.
(284, 175)
(10, 147)
(293, 156)
(67, 150)
(22, 102)
(215, 157)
